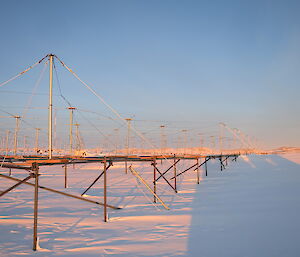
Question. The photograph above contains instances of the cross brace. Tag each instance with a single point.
(110, 164)
(162, 175)
(16, 185)
(198, 166)
(222, 162)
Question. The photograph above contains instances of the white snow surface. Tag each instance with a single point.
(250, 209)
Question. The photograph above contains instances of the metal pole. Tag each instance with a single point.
(221, 137)
(66, 176)
(50, 106)
(200, 141)
(175, 175)
(37, 130)
(104, 192)
(128, 134)
(221, 163)
(213, 143)
(117, 139)
(162, 146)
(205, 166)
(25, 144)
(154, 180)
(127, 142)
(35, 168)
(198, 175)
(7, 141)
(78, 137)
(71, 129)
(184, 131)
(16, 134)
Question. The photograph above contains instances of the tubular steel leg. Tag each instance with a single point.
(198, 175)
(66, 174)
(154, 179)
(221, 163)
(35, 168)
(175, 174)
(205, 167)
(105, 192)
(9, 172)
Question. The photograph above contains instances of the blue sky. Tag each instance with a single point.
(197, 62)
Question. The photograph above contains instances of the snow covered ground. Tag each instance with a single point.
(250, 209)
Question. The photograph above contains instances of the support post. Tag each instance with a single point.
(35, 169)
(126, 166)
(128, 120)
(66, 176)
(16, 134)
(37, 130)
(198, 175)
(7, 142)
(205, 167)
(50, 106)
(105, 192)
(154, 179)
(175, 174)
(71, 129)
(221, 163)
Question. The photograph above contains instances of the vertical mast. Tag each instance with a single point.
(16, 134)
(50, 106)
(6, 143)
(37, 130)
(71, 129)
(128, 135)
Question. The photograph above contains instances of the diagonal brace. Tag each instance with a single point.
(110, 164)
(63, 193)
(198, 166)
(16, 185)
(222, 163)
(163, 177)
